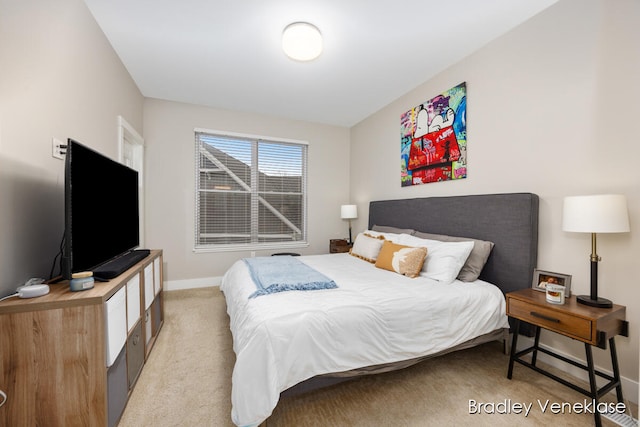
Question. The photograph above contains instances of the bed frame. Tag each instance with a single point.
(509, 220)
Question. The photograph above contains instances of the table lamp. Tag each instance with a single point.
(605, 213)
(349, 212)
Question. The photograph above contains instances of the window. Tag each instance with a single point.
(250, 192)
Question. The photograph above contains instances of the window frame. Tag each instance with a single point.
(253, 246)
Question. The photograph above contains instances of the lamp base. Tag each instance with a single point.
(599, 302)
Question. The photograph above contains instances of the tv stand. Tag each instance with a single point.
(75, 357)
(119, 265)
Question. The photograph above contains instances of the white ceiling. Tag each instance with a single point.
(227, 54)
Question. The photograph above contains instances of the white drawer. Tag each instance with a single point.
(133, 301)
(116, 313)
(157, 280)
(148, 286)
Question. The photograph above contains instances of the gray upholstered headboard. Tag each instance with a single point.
(508, 220)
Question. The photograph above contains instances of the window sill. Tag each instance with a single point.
(244, 248)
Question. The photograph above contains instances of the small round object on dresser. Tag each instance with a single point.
(81, 281)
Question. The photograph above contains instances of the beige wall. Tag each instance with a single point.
(170, 199)
(552, 109)
(59, 77)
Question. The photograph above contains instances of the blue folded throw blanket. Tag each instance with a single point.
(284, 273)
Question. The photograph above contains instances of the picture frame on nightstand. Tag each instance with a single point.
(542, 277)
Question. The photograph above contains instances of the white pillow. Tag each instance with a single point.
(444, 259)
(367, 247)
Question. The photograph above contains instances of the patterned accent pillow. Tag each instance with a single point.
(367, 247)
(405, 260)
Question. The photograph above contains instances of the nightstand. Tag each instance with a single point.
(337, 246)
(591, 325)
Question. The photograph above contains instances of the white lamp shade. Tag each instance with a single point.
(348, 211)
(302, 41)
(605, 213)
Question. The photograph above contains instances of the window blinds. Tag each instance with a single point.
(250, 192)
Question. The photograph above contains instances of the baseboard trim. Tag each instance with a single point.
(629, 386)
(202, 282)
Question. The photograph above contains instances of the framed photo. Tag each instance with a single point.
(541, 278)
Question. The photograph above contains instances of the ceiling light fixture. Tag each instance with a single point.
(302, 41)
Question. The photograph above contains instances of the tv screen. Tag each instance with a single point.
(101, 209)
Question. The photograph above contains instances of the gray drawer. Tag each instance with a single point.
(156, 314)
(135, 354)
(117, 388)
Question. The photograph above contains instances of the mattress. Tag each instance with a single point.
(374, 317)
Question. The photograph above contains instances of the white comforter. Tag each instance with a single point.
(375, 316)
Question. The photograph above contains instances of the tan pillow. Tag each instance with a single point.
(366, 247)
(405, 260)
(396, 230)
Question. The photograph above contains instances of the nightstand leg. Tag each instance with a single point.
(592, 383)
(616, 369)
(514, 342)
(534, 356)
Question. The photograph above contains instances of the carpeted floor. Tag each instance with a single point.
(187, 382)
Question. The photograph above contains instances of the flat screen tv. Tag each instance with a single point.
(101, 210)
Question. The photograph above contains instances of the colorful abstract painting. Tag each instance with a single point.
(433, 139)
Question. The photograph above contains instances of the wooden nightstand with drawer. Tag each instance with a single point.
(591, 325)
(337, 246)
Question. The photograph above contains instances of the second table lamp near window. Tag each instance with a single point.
(349, 212)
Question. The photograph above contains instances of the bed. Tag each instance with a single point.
(375, 319)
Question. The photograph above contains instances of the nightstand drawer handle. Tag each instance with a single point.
(542, 316)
